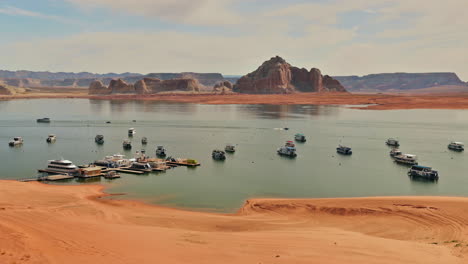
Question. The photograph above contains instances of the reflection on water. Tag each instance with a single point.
(255, 170)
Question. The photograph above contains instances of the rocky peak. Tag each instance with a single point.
(278, 76)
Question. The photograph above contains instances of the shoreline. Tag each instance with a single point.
(72, 224)
(373, 101)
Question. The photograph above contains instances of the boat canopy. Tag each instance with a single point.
(421, 167)
(458, 143)
(299, 134)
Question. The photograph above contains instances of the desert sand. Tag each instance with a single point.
(375, 101)
(79, 224)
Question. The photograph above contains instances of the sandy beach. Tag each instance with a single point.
(77, 224)
(375, 101)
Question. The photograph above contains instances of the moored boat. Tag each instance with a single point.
(16, 141)
(392, 142)
(290, 144)
(144, 140)
(131, 132)
(287, 151)
(300, 137)
(408, 159)
(141, 166)
(456, 146)
(61, 166)
(43, 120)
(127, 144)
(395, 152)
(218, 154)
(99, 139)
(344, 150)
(51, 138)
(423, 172)
(160, 151)
(230, 148)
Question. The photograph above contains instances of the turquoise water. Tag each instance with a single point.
(255, 170)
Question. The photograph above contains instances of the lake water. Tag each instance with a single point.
(255, 170)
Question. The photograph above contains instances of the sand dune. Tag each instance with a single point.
(73, 224)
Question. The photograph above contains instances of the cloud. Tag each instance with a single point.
(201, 12)
(14, 11)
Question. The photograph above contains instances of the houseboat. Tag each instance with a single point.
(395, 152)
(114, 161)
(392, 142)
(300, 138)
(61, 166)
(43, 120)
(423, 172)
(457, 146)
(141, 166)
(90, 172)
(160, 151)
(99, 139)
(344, 150)
(51, 138)
(230, 148)
(131, 132)
(16, 141)
(144, 140)
(127, 144)
(218, 155)
(287, 151)
(408, 159)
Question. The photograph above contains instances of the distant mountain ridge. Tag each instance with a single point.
(84, 79)
(383, 82)
(46, 75)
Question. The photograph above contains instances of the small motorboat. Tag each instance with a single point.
(230, 148)
(344, 150)
(423, 172)
(408, 159)
(287, 151)
(141, 166)
(144, 140)
(16, 141)
(43, 120)
(131, 132)
(51, 138)
(99, 139)
(110, 175)
(127, 144)
(300, 138)
(218, 155)
(392, 142)
(456, 146)
(160, 151)
(290, 144)
(108, 122)
(395, 152)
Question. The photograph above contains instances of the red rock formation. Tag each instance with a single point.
(4, 90)
(97, 87)
(155, 85)
(277, 76)
(120, 86)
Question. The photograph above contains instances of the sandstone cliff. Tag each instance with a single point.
(398, 81)
(145, 86)
(276, 76)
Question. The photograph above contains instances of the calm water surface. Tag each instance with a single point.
(255, 170)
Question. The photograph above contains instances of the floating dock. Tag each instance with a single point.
(125, 170)
(182, 164)
(55, 177)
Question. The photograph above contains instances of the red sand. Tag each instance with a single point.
(74, 225)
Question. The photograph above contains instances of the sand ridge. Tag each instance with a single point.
(77, 224)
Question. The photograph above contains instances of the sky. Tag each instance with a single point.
(340, 37)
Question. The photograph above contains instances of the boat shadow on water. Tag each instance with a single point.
(423, 180)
